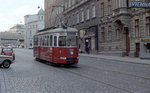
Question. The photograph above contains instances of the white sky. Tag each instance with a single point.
(13, 11)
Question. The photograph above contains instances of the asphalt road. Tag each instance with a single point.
(92, 75)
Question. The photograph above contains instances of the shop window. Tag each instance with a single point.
(147, 47)
(55, 40)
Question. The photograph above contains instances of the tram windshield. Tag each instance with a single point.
(68, 41)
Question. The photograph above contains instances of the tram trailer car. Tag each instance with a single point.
(59, 45)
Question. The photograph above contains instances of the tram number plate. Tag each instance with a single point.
(71, 62)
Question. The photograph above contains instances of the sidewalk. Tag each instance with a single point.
(117, 58)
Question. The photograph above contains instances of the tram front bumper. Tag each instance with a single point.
(72, 60)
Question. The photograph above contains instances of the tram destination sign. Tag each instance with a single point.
(139, 4)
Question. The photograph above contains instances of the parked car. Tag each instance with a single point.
(8, 51)
(6, 61)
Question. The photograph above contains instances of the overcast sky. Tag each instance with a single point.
(13, 11)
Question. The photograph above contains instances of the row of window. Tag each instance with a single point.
(88, 13)
(50, 40)
(82, 15)
(108, 36)
(137, 27)
(33, 26)
(45, 40)
(117, 34)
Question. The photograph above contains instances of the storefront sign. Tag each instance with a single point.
(139, 4)
(145, 40)
(82, 33)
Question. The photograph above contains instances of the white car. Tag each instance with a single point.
(6, 61)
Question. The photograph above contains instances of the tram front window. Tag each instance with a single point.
(72, 41)
(62, 41)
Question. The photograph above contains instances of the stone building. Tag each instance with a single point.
(83, 15)
(109, 27)
(11, 39)
(114, 27)
(17, 28)
(140, 32)
(53, 13)
(33, 23)
(121, 27)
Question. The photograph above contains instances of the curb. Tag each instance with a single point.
(116, 60)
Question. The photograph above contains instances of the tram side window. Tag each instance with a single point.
(35, 41)
(62, 41)
(55, 40)
(47, 40)
(50, 40)
(44, 41)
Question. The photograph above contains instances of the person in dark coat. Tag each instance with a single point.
(87, 48)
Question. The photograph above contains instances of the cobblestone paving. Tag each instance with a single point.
(91, 76)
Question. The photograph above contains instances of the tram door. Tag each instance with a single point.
(39, 48)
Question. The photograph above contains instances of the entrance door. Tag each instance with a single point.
(137, 49)
(127, 42)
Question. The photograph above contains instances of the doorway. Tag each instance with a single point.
(127, 41)
(137, 49)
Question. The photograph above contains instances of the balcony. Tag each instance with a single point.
(121, 11)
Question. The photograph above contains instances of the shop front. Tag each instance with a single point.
(89, 39)
(145, 48)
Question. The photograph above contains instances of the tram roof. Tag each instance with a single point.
(57, 30)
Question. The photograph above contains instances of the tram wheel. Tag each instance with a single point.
(36, 59)
(56, 64)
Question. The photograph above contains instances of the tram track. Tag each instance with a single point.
(87, 77)
(119, 72)
(103, 82)
(148, 78)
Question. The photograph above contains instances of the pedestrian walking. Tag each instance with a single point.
(87, 47)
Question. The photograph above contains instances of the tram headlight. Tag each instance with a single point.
(71, 53)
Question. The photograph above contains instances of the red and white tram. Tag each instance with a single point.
(59, 45)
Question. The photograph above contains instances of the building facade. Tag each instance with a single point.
(83, 15)
(17, 28)
(108, 27)
(11, 39)
(122, 27)
(114, 27)
(140, 32)
(53, 13)
(33, 23)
